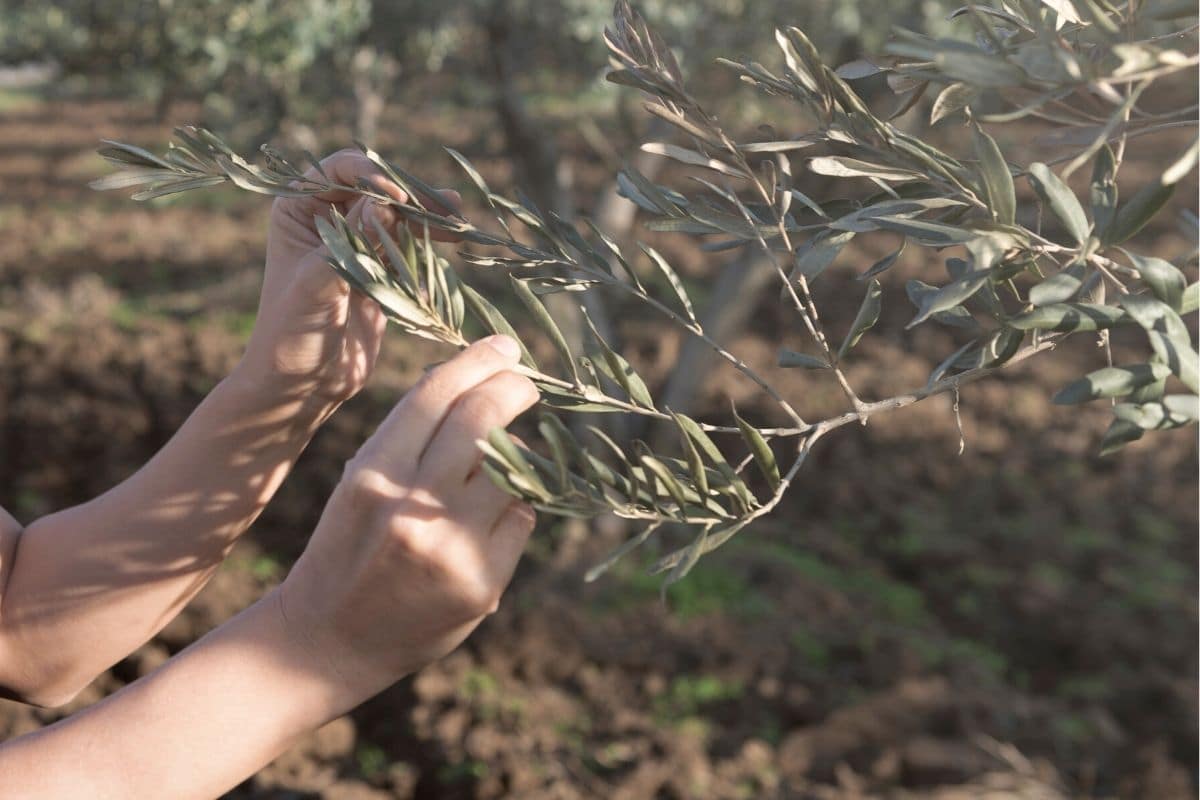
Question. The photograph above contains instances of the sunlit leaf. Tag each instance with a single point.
(1111, 382)
(868, 315)
(1061, 200)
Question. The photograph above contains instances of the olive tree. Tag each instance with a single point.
(1015, 279)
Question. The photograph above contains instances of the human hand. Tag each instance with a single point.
(313, 335)
(416, 544)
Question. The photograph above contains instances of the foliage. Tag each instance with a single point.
(1019, 278)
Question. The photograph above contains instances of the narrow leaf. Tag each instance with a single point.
(544, 321)
(1103, 192)
(884, 263)
(997, 179)
(760, 450)
(790, 359)
(1061, 200)
(1164, 278)
(673, 279)
(1111, 382)
(1060, 287)
(868, 315)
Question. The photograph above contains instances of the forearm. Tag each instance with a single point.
(206, 720)
(86, 586)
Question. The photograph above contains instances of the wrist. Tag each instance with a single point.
(299, 401)
(353, 675)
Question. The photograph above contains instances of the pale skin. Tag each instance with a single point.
(413, 550)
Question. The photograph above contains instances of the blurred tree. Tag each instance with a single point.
(249, 61)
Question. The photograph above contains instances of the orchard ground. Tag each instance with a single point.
(911, 623)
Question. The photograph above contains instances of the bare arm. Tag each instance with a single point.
(82, 588)
(413, 550)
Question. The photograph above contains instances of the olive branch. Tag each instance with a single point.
(1012, 288)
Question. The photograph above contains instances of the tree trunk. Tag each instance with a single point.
(371, 73)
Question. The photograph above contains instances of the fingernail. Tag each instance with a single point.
(505, 346)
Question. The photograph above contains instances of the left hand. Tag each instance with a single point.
(313, 335)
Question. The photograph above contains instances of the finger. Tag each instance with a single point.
(453, 452)
(507, 541)
(411, 425)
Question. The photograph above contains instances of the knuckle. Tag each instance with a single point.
(368, 488)
(480, 600)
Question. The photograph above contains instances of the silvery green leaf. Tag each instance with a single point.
(884, 263)
(1164, 278)
(1168, 336)
(718, 535)
(1065, 11)
(950, 361)
(657, 469)
(1185, 406)
(1120, 433)
(814, 256)
(694, 461)
(500, 446)
(802, 60)
(673, 280)
(843, 167)
(760, 450)
(694, 158)
(790, 359)
(687, 559)
(135, 176)
(627, 547)
(1070, 318)
(401, 267)
(806, 200)
(858, 69)
(544, 321)
(951, 100)
(868, 315)
(122, 153)
(176, 187)
(1133, 215)
(1061, 200)
(1152, 416)
(935, 234)
(1060, 287)
(1149, 199)
(783, 146)
(863, 219)
(1111, 382)
(949, 296)
(1190, 300)
(997, 178)
(979, 69)
(1002, 346)
(1103, 190)
(613, 365)
(469, 168)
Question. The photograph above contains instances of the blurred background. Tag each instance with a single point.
(1019, 619)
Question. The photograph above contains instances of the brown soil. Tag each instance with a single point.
(1018, 621)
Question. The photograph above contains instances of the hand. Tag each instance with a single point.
(416, 544)
(313, 335)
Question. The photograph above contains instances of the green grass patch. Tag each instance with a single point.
(13, 100)
(688, 695)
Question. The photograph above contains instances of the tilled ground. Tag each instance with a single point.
(1018, 621)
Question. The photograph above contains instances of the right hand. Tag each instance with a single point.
(416, 544)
